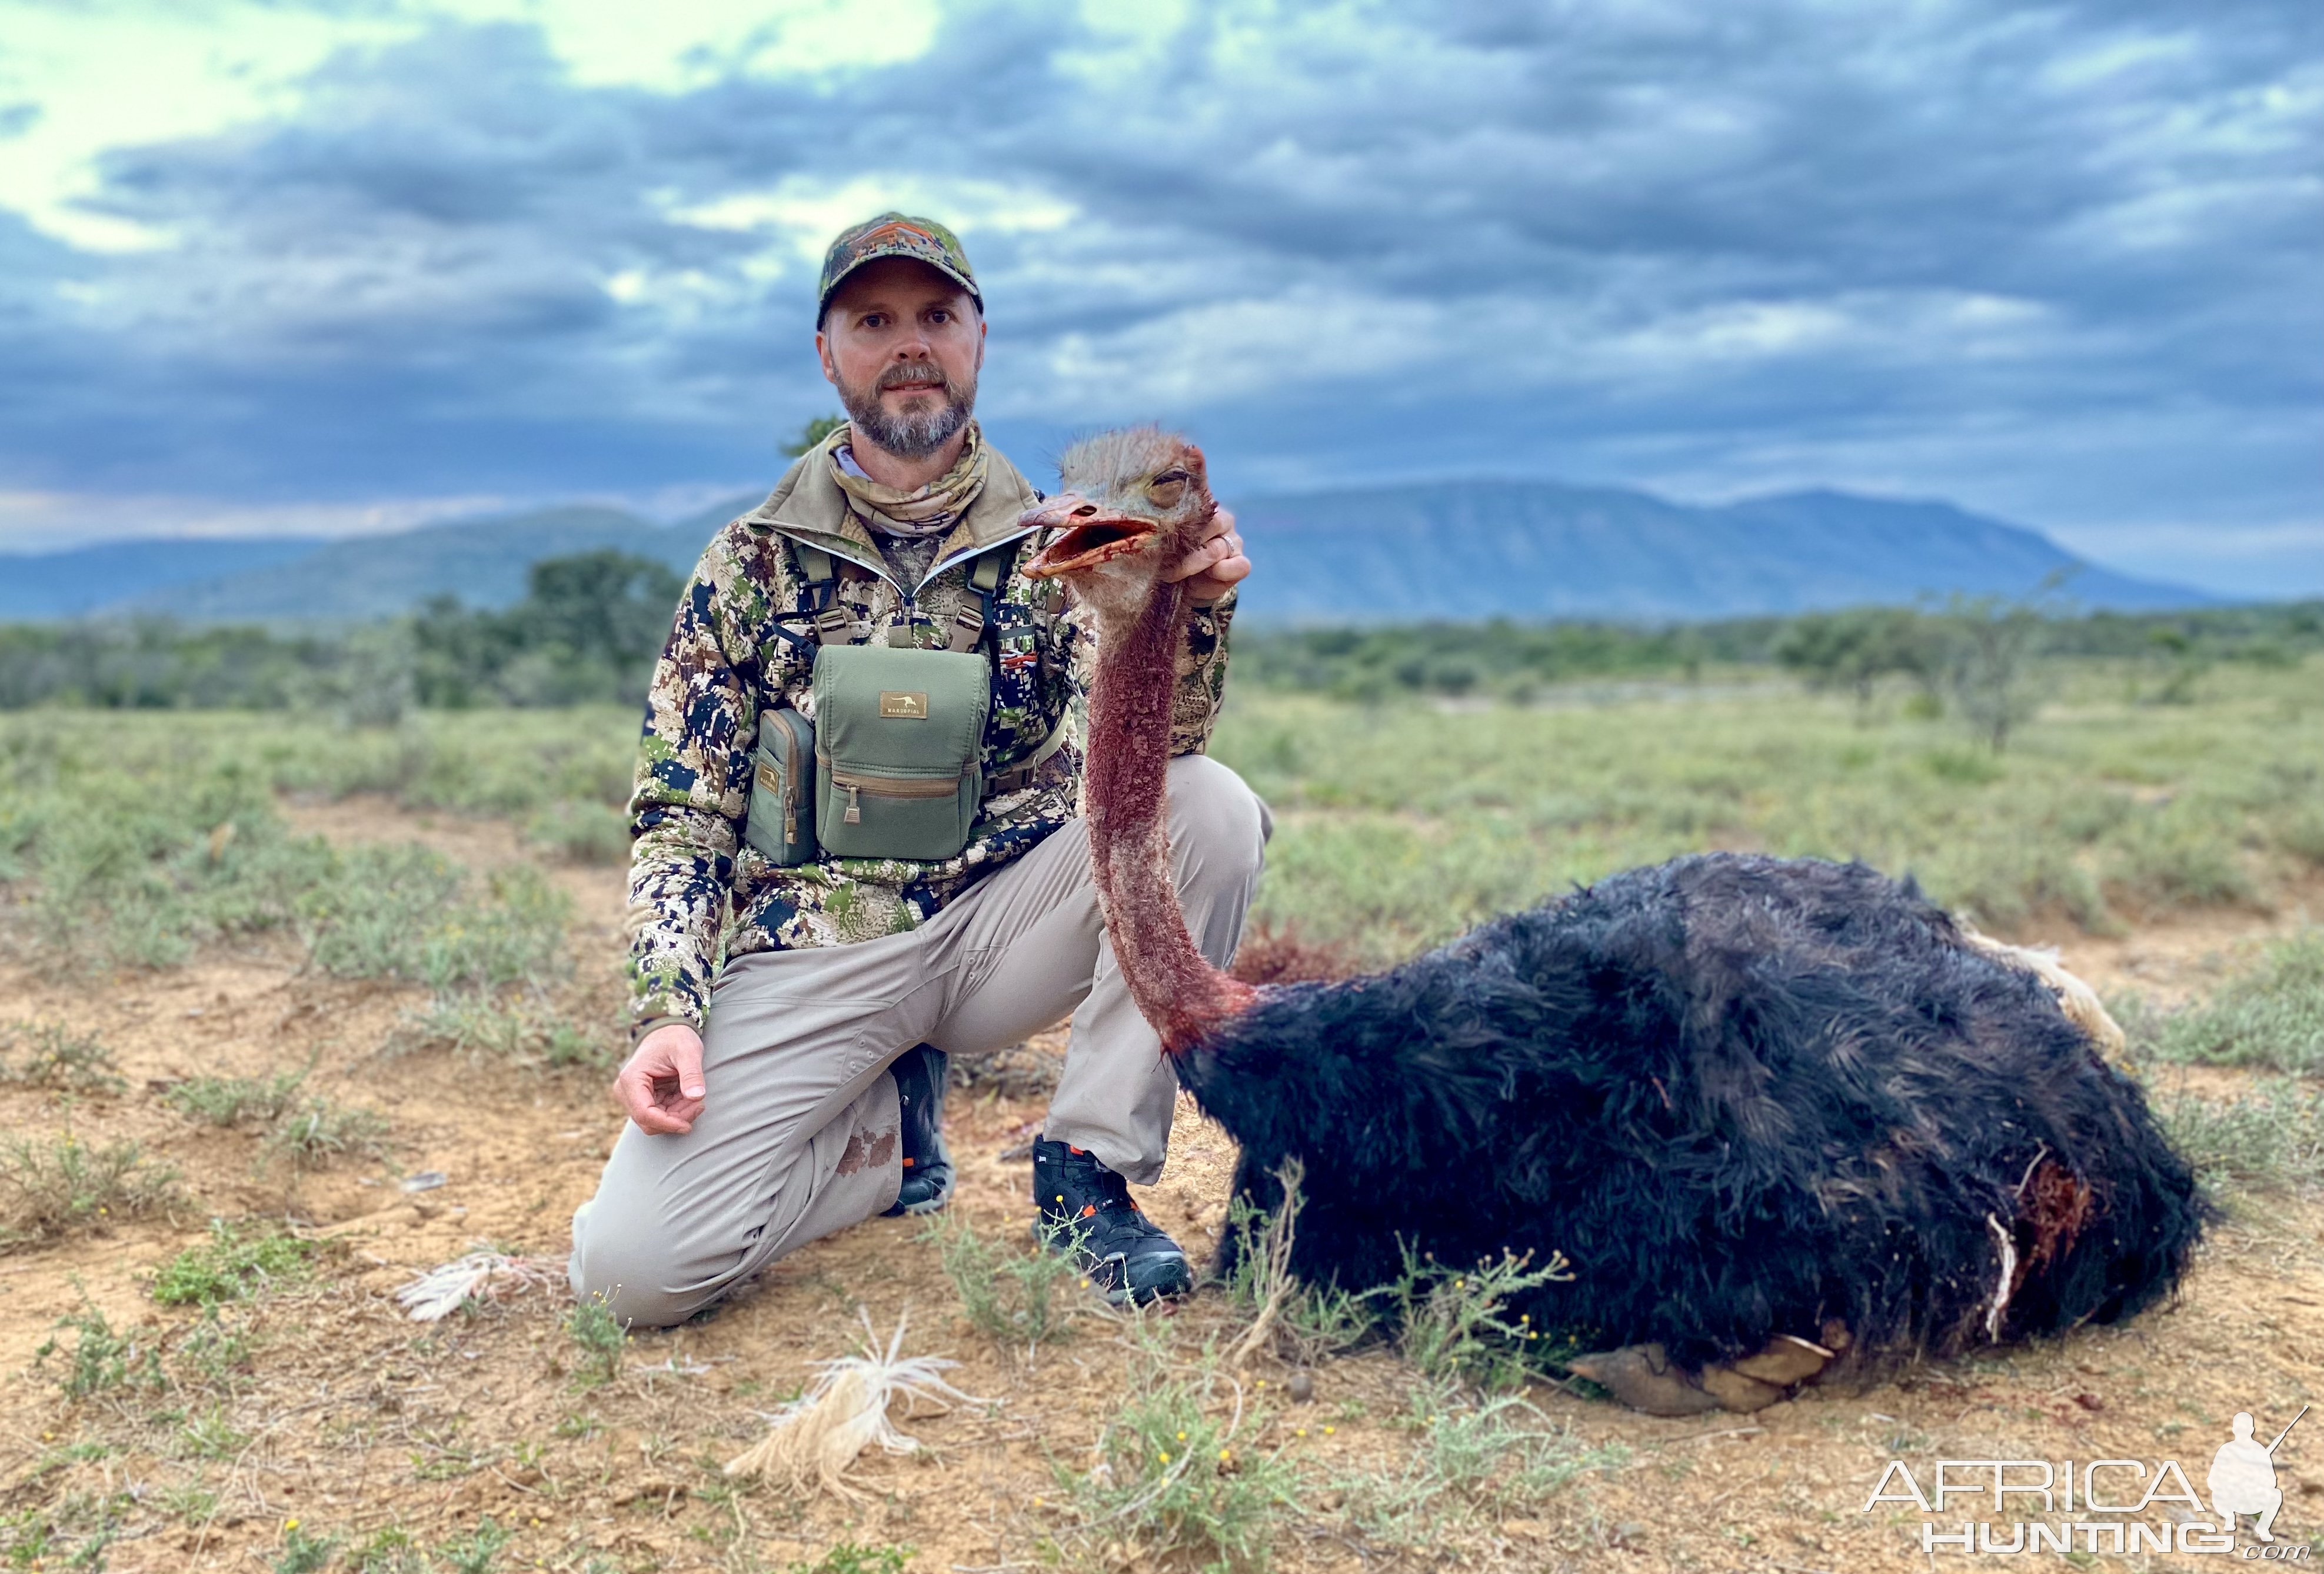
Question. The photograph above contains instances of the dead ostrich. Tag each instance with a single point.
(1766, 1108)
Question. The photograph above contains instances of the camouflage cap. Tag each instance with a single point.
(896, 234)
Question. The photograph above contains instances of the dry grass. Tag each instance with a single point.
(208, 1385)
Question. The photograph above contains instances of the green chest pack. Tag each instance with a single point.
(898, 750)
(891, 767)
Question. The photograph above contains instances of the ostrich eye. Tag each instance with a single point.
(1169, 487)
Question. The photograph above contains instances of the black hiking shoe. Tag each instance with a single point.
(919, 1072)
(1085, 1209)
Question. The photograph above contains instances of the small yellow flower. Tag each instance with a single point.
(1302, 1432)
(1164, 1458)
(1225, 1457)
(1330, 1430)
(289, 1524)
(1181, 1437)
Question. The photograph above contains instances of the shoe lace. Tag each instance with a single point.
(1104, 1194)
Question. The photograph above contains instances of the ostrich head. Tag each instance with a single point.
(1130, 504)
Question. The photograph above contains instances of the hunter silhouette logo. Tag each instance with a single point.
(2242, 1480)
(2243, 1477)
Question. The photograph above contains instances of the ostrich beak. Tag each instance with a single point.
(1091, 534)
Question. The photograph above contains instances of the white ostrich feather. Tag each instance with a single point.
(483, 1275)
(811, 1441)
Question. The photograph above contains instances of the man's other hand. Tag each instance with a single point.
(1214, 568)
(661, 1085)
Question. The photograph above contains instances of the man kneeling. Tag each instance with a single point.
(884, 902)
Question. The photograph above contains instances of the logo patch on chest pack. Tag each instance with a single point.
(905, 704)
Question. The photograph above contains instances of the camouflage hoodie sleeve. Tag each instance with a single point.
(1202, 677)
(692, 791)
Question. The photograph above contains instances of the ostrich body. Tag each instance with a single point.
(1766, 1107)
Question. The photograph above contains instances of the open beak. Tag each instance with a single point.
(1091, 536)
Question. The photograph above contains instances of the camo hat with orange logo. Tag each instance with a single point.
(896, 234)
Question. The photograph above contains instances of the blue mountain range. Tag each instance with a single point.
(1454, 550)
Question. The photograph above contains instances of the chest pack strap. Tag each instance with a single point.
(984, 578)
(1018, 777)
(820, 570)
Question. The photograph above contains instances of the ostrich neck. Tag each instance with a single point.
(1176, 989)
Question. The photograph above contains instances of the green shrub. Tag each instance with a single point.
(59, 1059)
(231, 1100)
(213, 1354)
(2272, 1137)
(54, 1186)
(581, 832)
(1495, 1452)
(102, 1359)
(2181, 855)
(303, 1553)
(2271, 1015)
(1453, 1324)
(320, 1131)
(392, 1551)
(517, 1030)
(1182, 1474)
(404, 912)
(229, 1265)
(1307, 1322)
(2300, 830)
(847, 1558)
(601, 1337)
(1019, 1297)
(210, 1436)
(478, 1550)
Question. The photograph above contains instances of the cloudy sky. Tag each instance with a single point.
(318, 266)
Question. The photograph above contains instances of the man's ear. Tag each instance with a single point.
(823, 354)
(982, 329)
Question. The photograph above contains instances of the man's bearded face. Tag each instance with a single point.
(911, 409)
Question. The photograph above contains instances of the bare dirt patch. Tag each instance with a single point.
(349, 1420)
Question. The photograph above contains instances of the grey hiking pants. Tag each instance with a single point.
(798, 1136)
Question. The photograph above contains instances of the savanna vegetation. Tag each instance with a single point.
(309, 988)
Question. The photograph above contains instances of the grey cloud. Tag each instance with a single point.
(1708, 246)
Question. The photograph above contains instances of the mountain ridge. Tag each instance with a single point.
(1553, 551)
(1443, 549)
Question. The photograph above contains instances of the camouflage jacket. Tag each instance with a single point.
(744, 640)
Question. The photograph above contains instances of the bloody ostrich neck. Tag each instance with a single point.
(1176, 989)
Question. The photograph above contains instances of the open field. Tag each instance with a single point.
(258, 972)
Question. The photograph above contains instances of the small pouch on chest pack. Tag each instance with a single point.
(898, 738)
(782, 823)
